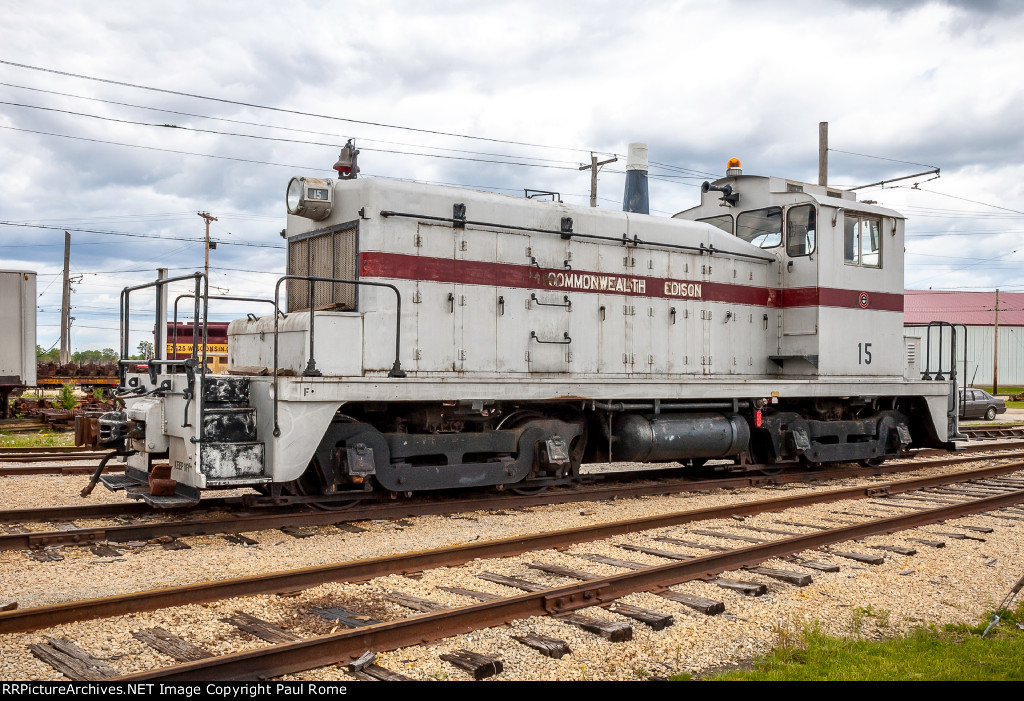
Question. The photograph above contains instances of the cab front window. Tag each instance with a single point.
(761, 227)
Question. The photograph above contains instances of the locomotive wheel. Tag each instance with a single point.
(311, 484)
(528, 491)
(771, 471)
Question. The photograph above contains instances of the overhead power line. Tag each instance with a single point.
(283, 110)
(263, 125)
(252, 244)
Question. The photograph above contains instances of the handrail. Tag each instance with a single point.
(174, 342)
(625, 241)
(311, 371)
(126, 314)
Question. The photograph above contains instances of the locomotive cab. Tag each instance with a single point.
(839, 304)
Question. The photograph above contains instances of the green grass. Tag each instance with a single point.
(1003, 390)
(951, 653)
(36, 440)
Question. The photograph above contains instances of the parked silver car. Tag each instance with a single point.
(977, 404)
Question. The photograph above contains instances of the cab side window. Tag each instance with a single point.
(722, 221)
(801, 225)
(761, 227)
(862, 240)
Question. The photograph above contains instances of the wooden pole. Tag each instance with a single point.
(995, 350)
(208, 217)
(594, 165)
(65, 305)
(823, 153)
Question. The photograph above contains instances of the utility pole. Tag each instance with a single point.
(65, 305)
(995, 351)
(823, 153)
(209, 218)
(594, 165)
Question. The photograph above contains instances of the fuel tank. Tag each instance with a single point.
(666, 437)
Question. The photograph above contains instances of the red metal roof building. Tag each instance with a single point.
(971, 308)
(977, 311)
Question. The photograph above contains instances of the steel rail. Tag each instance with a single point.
(287, 658)
(50, 457)
(289, 515)
(21, 620)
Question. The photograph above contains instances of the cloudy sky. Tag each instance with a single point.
(495, 96)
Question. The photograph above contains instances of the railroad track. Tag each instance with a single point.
(291, 515)
(988, 433)
(918, 502)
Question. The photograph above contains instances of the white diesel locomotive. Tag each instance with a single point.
(430, 337)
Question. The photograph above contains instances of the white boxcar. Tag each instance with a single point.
(18, 321)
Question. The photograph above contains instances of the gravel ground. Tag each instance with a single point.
(955, 584)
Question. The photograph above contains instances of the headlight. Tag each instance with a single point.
(312, 198)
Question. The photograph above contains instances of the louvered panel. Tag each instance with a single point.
(345, 267)
(330, 255)
(321, 264)
(298, 264)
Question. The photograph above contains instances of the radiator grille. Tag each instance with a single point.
(330, 254)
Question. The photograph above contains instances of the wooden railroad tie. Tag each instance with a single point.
(560, 571)
(264, 630)
(929, 543)
(978, 529)
(729, 536)
(960, 536)
(103, 551)
(239, 539)
(762, 529)
(614, 562)
(171, 645)
(415, 603)
(471, 593)
(894, 549)
(549, 647)
(349, 528)
(795, 578)
(613, 631)
(858, 557)
(709, 607)
(514, 582)
(655, 620)
(813, 564)
(44, 555)
(667, 554)
(296, 532)
(692, 544)
(745, 588)
(72, 661)
(365, 669)
(346, 617)
(802, 525)
(376, 673)
(480, 666)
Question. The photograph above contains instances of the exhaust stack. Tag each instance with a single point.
(636, 197)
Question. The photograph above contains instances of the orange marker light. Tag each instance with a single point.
(733, 163)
